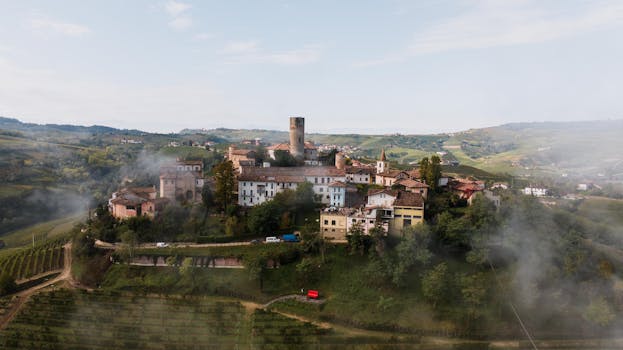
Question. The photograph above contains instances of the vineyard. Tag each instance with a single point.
(30, 262)
(66, 319)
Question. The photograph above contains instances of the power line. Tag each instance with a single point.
(523, 326)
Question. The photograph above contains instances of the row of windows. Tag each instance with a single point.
(409, 216)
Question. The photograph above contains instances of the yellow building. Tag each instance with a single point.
(333, 225)
(408, 210)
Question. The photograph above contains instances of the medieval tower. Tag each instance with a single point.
(297, 137)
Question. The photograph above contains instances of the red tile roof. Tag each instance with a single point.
(409, 199)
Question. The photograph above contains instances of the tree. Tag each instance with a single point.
(207, 196)
(412, 249)
(283, 159)
(473, 292)
(430, 171)
(599, 311)
(225, 182)
(264, 218)
(129, 239)
(435, 284)
(7, 284)
(308, 271)
(356, 239)
(231, 223)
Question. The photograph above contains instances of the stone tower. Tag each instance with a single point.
(297, 137)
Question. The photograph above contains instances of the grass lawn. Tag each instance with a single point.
(42, 232)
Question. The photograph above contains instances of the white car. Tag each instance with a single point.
(162, 245)
(272, 240)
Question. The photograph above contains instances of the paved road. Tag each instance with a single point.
(106, 245)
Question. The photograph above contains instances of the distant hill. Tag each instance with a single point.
(16, 125)
(574, 149)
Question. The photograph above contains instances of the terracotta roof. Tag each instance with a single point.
(337, 184)
(414, 173)
(287, 174)
(309, 145)
(373, 192)
(279, 147)
(410, 183)
(393, 173)
(360, 170)
(127, 196)
(409, 199)
(242, 152)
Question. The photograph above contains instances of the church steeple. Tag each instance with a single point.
(382, 165)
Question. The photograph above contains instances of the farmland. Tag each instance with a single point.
(30, 262)
(66, 319)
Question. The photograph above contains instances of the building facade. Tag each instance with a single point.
(182, 181)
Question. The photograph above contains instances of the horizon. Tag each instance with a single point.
(417, 67)
(336, 132)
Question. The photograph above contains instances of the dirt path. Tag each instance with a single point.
(23, 296)
(298, 297)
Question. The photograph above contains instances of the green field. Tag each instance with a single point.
(67, 319)
(30, 262)
(42, 232)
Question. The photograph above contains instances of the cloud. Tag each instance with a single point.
(240, 52)
(181, 23)
(241, 48)
(178, 11)
(505, 23)
(203, 36)
(175, 8)
(46, 25)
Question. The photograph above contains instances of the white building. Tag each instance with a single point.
(258, 185)
(360, 174)
(535, 191)
(381, 198)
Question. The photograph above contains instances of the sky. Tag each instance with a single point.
(346, 66)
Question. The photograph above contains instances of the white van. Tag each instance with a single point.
(162, 245)
(272, 240)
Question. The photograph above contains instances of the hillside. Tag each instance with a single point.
(577, 149)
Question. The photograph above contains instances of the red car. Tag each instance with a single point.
(312, 294)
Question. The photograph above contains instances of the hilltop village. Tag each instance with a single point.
(351, 194)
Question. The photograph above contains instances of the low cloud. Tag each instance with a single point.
(175, 8)
(46, 25)
(178, 11)
(249, 52)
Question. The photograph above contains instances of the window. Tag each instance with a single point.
(321, 189)
(323, 180)
(406, 222)
(371, 221)
(333, 222)
(326, 222)
(315, 180)
(354, 220)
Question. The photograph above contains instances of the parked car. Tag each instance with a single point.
(162, 245)
(290, 237)
(272, 240)
(256, 241)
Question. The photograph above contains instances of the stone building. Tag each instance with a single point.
(182, 181)
(137, 201)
